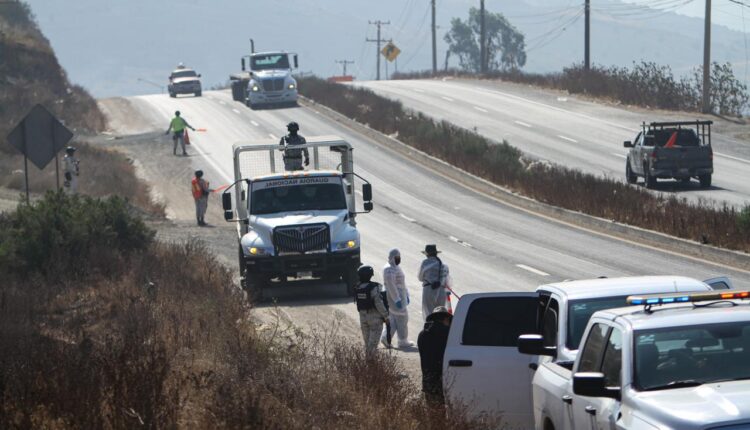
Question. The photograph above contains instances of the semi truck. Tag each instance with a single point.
(266, 79)
(296, 225)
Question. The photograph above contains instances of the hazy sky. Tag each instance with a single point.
(116, 47)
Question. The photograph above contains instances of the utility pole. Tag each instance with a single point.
(434, 40)
(482, 40)
(587, 38)
(344, 63)
(707, 60)
(379, 40)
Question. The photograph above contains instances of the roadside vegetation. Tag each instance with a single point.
(101, 326)
(645, 84)
(30, 74)
(505, 165)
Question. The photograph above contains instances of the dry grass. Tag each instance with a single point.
(559, 186)
(152, 335)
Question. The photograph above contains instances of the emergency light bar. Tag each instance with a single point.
(665, 299)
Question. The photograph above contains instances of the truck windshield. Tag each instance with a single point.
(683, 137)
(297, 197)
(689, 356)
(269, 62)
(579, 313)
(184, 74)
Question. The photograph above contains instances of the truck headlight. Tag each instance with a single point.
(258, 252)
(292, 86)
(256, 88)
(347, 245)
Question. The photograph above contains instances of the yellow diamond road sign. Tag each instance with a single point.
(390, 51)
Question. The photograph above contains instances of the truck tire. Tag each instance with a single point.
(238, 93)
(650, 180)
(631, 177)
(705, 180)
(254, 287)
(351, 279)
(199, 93)
(173, 95)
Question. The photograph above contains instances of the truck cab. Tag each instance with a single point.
(485, 370)
(675, 361)
(266, 79)
(296, 225)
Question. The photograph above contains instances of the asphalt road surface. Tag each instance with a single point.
(488, 245)
(579, 134)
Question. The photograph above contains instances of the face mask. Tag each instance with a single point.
(397, 260)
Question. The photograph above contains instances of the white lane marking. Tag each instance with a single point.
(358, 192)
(213, 164)
(222, 102)
(480, 109)
(236, 111)
(732, 157)
(532, 270)
(407, 218)
(254, 123)
(567, 138)
(271, 135)
(418, 90)
(521, 123)
(619, 155)
(448, 99)
(460, 242)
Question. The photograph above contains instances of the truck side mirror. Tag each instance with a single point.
(199, 75)
(296, 64)
(226, 201)
(592, 384)
(243, 64)
(366, 192)
(533, 344)
(627, 144)
(368, 206)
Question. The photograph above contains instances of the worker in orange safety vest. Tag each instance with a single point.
(200, 194)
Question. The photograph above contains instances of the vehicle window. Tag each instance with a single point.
(549, 322)
(579, 313)
(498, 321)
(269, 62)
(592, 350)
(297, 198)
(612, 362)
(637, 140)
(693, 355)
(683, 137)
(184, 74)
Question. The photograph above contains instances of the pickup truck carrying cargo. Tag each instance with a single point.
(679, 150)
(483, 368)
(266, 79)
(296, 225)
(669, 362)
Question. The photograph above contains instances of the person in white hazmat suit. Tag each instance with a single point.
(398, 300)
(71, 170)
(435, 277)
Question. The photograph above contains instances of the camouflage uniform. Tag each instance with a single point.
(371, 321)
(292, 156)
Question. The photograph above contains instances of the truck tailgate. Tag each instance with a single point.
(683, 158)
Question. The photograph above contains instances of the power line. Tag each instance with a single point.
(379, 40)
(344, 63)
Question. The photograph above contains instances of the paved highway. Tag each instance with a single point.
(567, 131)
(488, 245)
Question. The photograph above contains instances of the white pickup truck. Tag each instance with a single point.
(483, 368)
(679, 361)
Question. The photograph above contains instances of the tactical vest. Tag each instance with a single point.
(363, 296)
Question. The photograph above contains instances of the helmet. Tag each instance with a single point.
(177, 113)
(292, 127)
(365, 273)
(70, 150)
(199, 173)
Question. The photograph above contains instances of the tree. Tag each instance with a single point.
(506, 48)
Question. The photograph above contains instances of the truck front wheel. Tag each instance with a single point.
(351, 279)
(705, 180)
(629, 175)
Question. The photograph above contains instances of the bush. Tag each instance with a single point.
(556, 185)
(63, 234)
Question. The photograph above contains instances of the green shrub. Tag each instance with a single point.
(62, 233)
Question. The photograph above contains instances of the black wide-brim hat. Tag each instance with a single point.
(430, 250)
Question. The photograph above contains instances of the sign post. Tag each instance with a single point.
(39, 137)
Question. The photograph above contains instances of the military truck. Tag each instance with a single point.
(266, 79)
(679, 150)
(296, 225)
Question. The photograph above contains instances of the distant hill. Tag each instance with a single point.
(109, 46)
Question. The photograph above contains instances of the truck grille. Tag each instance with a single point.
(301, 239)
(273, 84)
